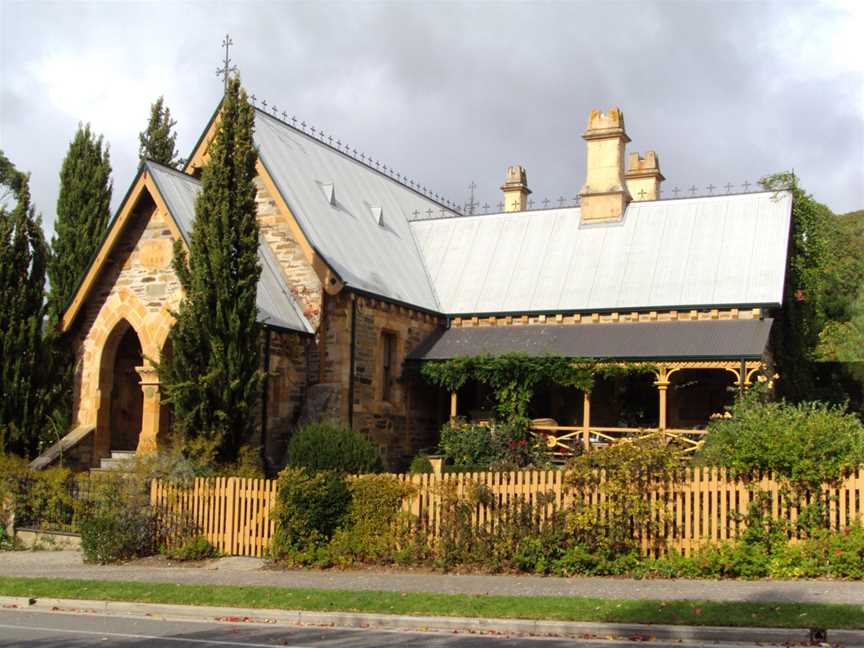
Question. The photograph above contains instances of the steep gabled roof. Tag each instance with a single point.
(355, 217)
(695, 252)
(276, 305)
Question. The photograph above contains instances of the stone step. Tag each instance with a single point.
(117, 461)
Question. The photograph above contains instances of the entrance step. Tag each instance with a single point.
(117, 460)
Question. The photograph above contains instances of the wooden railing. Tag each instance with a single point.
(565, 440)
(707, 506)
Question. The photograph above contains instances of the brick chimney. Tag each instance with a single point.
(643, 176)
(515, 189)
(605, 195)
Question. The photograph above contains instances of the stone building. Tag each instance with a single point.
(366, 274)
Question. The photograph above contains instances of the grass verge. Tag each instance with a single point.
(553, 608)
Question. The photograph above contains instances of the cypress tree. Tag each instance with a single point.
(23, 256)
(212, 378)
(158, 141)
(83, 211)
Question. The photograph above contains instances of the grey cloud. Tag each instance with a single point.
(448, 93)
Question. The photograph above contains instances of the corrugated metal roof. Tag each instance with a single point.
(648, 340)
(710, 251)
(276, 305)
(382, 259)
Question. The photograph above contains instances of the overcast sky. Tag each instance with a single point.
(450, 93)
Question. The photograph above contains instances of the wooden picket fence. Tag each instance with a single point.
(707, 507)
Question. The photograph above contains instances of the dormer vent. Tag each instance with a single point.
(378, 215)
(329, 190)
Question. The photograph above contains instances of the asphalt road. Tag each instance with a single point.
(55, 630)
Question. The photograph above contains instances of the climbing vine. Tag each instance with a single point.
(514, 377)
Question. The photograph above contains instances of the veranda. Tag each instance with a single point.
(673, 400)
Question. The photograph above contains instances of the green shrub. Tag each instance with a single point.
(117, 535)
(309, 508)
(116, 520)
(805, 444)
(420, 465)
(375, 528)
(627, 474)
(469, 444)
(330, 446)
(196, 547)
(492, 446)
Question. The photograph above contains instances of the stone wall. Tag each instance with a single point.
(409, 419)
(298, 272)
(292, 361)
(136, 284)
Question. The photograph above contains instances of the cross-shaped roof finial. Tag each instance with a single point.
(746, 185)
(710, 189)
(227, 69)
(692, 190)
(728, 187)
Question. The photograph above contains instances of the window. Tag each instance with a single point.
(388, 360)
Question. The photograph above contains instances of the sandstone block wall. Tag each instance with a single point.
(298, 272)
(137, 284)
(410, 418)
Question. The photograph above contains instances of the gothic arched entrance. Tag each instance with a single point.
(121, 398)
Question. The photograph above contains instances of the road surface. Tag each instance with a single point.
(26, 629)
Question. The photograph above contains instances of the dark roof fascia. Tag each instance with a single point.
(112, 222)
(634, 359)
(285, 329)
(390, 300)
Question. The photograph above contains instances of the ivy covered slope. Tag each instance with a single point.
(212, 378)
(821, 319)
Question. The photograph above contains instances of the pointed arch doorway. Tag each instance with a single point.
(121, 408)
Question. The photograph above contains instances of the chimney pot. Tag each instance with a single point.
(515, 189)
(604, 195)
(643, 176)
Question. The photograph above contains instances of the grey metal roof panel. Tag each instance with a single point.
(709, 251)
(729, 339)
(276, 306)
(383, 259)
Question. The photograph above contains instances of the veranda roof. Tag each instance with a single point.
(692, 340)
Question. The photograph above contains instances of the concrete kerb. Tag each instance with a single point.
(431, 623)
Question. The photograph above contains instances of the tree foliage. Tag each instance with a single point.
(83, 212)
(805, 444)
(23, 258)
(212, 377)
(817, 336)
(158, 141)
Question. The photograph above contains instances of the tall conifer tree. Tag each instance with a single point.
(212, 378)
(23, 255)
(158, 142)
(83, 212)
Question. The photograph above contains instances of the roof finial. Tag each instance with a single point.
(227, 69)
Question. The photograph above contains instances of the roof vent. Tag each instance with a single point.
(378, 215)
(329, 192)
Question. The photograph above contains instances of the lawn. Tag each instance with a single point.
(558, 608)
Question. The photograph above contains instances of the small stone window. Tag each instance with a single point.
(388, 361)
